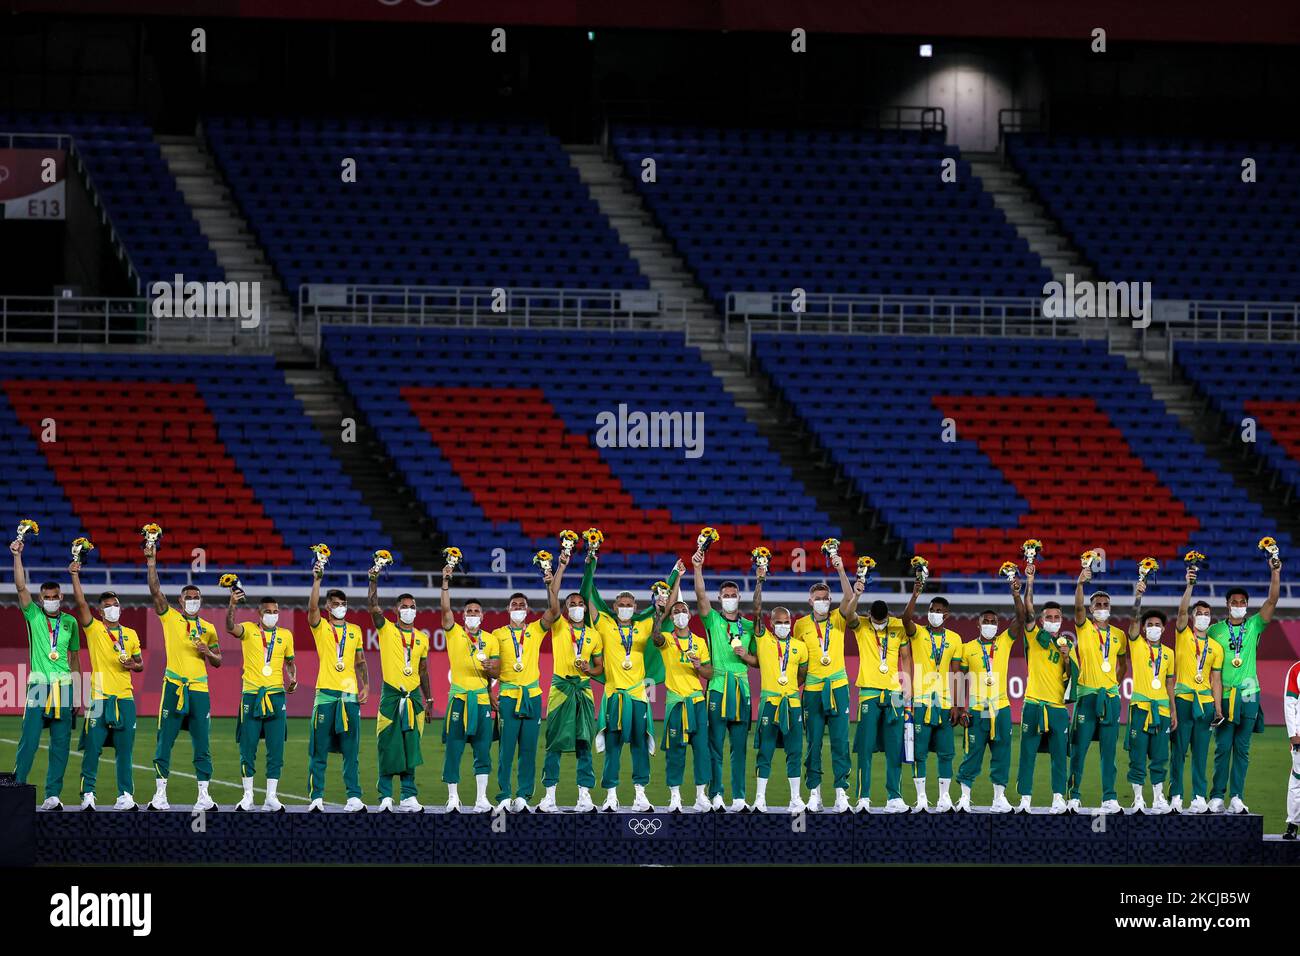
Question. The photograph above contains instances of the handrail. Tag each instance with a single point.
(33, 320)
(1017, 119)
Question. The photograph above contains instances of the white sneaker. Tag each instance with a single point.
(611, 802)
(1058, 804)
(1198, 805)
(1025, 804)
(410, 805)
(841, 801)
(1111, 806)
(718, 803)
(505, 806)
(245, 803)
(896, 805)
(272, 804)
(962, 805)
(204, 803)
(922, 804)
(738, 806)
(1074, 806)
(1235, 805)
(641, 803)
(520, 805)
(52, 803)
(584, 804)
(1158, 802)
(760, 805)
(674, 802)
(703, 804)
(1139, 804)
(316, 806)
(125, 802)
(944, 803)
(1176, 804)
(814, 804)
(354, 805)
(1000, 804)
(453, 802)
(385, 805)
(481, 805)
(88, 801)
(1216, 805)
(797, 805)
(864, 804)
(548, 805)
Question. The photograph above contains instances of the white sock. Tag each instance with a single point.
(814, 791)
(550, 793)
(944, 784)
(1137, 791)
(639, 790)
(675, 793)
(248, 785)
(584, 792)
(965, 792)
(762, 789)
(453, 792)
(271, 784)
(920, 787)
(160, 786)
(480, 785)
(794, 789)
(203, 788)
(998, 792)
(700, 793)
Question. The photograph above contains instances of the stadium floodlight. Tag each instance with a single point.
(927, 49)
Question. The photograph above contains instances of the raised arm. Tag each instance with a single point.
(701, 596)
(1135, 626)
(155, 587)
(83, 615)
(909, 626)
(552, 612)
(1185, 603)
(596, 605)
(758, 607)
(850, 597)
(673, 576)
(1017, 626)
(372, 602)
(1030, 613)
(1274, 590)
(236, 630)
(448, 618)
(1080, 609)
(849, 606)
(313, 602)
(20, 576)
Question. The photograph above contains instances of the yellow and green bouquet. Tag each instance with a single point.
(80, 548)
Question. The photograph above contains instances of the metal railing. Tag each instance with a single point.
(119, 321)
(1021, 120)
(484, 307)
(1237, 321)
(293, 585)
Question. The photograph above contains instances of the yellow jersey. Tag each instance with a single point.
(680, 676)
(1097, 654)
(1048, 666)
(106, 644)
(400, 651)
(337, 646)
(776, 658)
(932, 654)
(520, 646)
(259, 669)
(987, 663)
(1151, 662)
(467, 671)
(570, 642)
(179, 636)
(876, 650)
(625, 642)
(822, 639)
(1193, 656)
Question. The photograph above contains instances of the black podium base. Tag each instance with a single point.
(17, 825)
(179, 836)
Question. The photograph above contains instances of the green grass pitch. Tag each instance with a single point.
(1270, 763)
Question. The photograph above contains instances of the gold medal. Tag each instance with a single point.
(988, 680)
(54, 655)
(783, 679)
(627, 664)
(266, 670)
(122, 658)
(519, 666)
(1236, 662)
(338, 666)
(1105, 667)
(735, 643)
(481, 656)
(1155, 683)
(826, 660)
(407, 670)
(884, 668)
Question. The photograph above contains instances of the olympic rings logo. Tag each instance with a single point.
(644, 827)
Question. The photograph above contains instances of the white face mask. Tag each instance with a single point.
(1051, 627)
(1237, 612)
(682, 619)
(192, 606)
(821, 607)
(406, 615)
(472, 621)
(729, 605)
(1101, 615)
(781, 630)
(339, 612)
(988, 631)
(1153, 632)
(936, 619)
(269, 620)
(51, 607)
(625, 613)
(112, 613)
(517, 617)
(879, 625)
(577, 613)
(1201, 622)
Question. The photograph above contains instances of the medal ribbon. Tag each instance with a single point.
(883, 638)
(579, 638)
(690, 644)
(341, 639)
(783, 656)
(1156, 657)
(407, 646)
(824, 642)
(1236, 639)
(936, 651)
(626, 638)
(119, 642)
(268, 648)
(1200, 655)
(54, 634)
(985, 648)
(518, 643)
(1103, 644)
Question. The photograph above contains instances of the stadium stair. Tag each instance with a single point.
(367, 464)
(208, 196)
